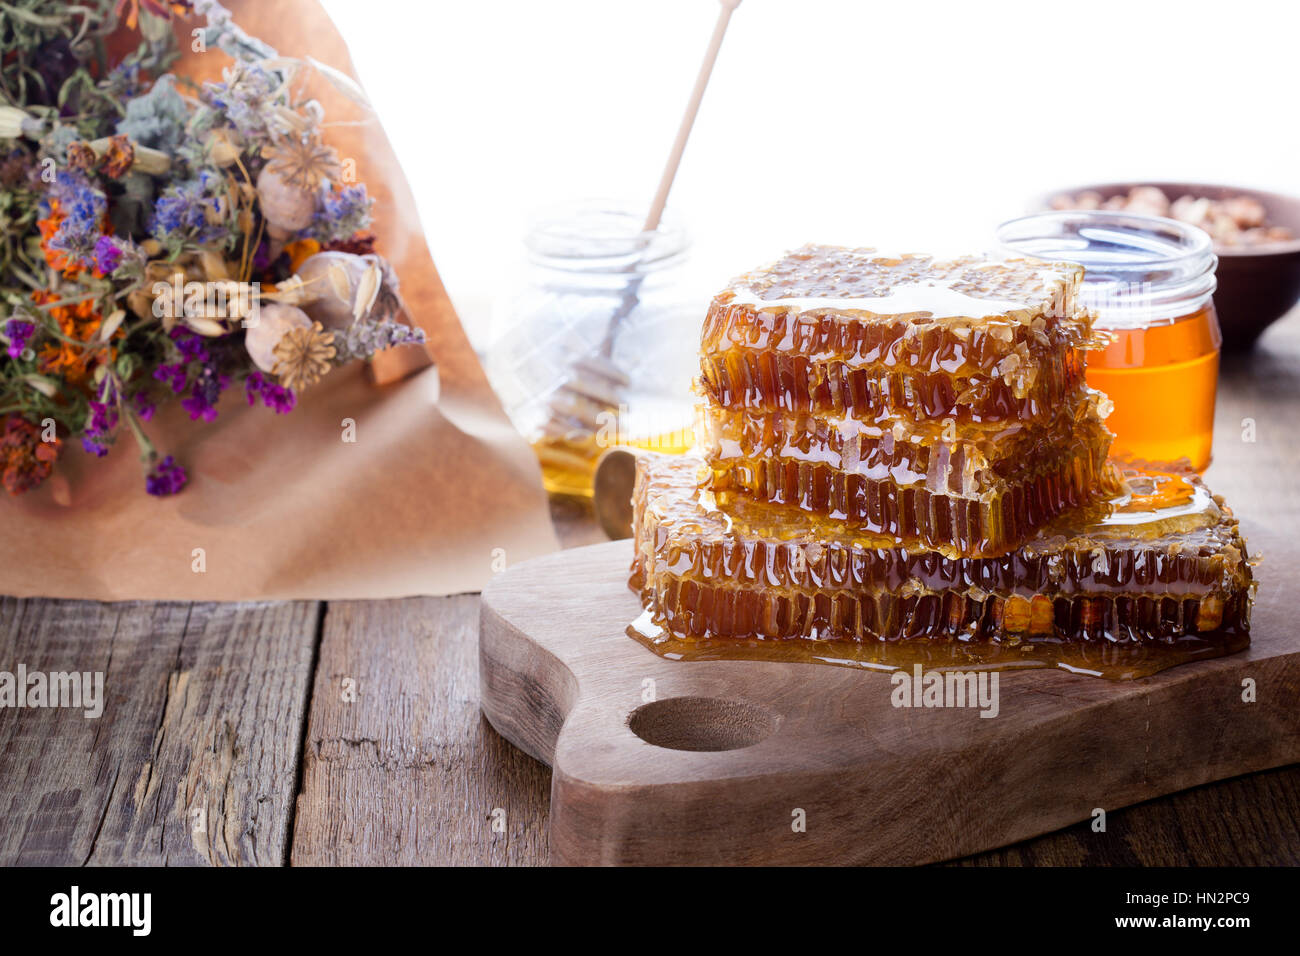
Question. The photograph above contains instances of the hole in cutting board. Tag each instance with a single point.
(702, 723)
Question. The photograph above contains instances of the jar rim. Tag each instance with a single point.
(1194, 243)
(604, 236)
(1137, 269)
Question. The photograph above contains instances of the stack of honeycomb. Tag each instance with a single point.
(903, 447)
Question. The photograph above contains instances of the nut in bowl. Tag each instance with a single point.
(1256, 237)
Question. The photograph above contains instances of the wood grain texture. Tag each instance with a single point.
(409, 772)
(193, 760)
(1246, 821)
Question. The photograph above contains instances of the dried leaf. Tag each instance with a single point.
(367, 291)
(342, 82)
(111, 324)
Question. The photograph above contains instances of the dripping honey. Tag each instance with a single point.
(1162, 380)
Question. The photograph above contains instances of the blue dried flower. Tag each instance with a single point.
(244, 97)
(82, 208)
(342, 214)
(191, 211)
(124, 80)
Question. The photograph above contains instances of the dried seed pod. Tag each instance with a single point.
(209, 328)
(213, 264)
(273, 320)
(284, 205)
(342, 287)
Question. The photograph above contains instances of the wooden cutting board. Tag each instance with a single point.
(728, 757)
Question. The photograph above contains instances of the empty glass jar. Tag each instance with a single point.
(599, 342)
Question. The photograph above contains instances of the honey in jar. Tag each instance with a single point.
(1150, 282)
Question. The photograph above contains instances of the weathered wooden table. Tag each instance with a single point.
(349, 733)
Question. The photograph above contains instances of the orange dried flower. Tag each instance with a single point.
(57, 258)
(158, 8)
(119, 157)
(79, 321)
(299, 251)
(114, 162)
(81, 156)
(48, 226)
(25, 460)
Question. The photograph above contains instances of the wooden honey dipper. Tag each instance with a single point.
(595, 385)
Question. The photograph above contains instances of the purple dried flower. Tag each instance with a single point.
(108, 255)
(205, 384)
(174, 375)
(191, 344)
(144, 405)
(272, 394)
(366, 337)
(19, 333)
(202, 400)
(55, 61)
(262, 256)
(99, 430)
(199, 407)
(165, 478)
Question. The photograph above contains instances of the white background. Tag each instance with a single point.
(914, 123)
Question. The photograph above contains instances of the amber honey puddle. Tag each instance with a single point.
(1113, 661)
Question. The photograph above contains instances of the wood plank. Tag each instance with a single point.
(194, 758)
(409, 772)
(1247, 821)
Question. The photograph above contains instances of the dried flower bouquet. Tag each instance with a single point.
(164, 239)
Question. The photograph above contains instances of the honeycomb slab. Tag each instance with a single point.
(938, 401)
(1162, 563)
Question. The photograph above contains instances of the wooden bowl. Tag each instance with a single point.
(1257, 284)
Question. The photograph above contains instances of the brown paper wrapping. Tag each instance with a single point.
(436, 493)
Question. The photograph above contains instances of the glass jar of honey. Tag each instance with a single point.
(1150, 282)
